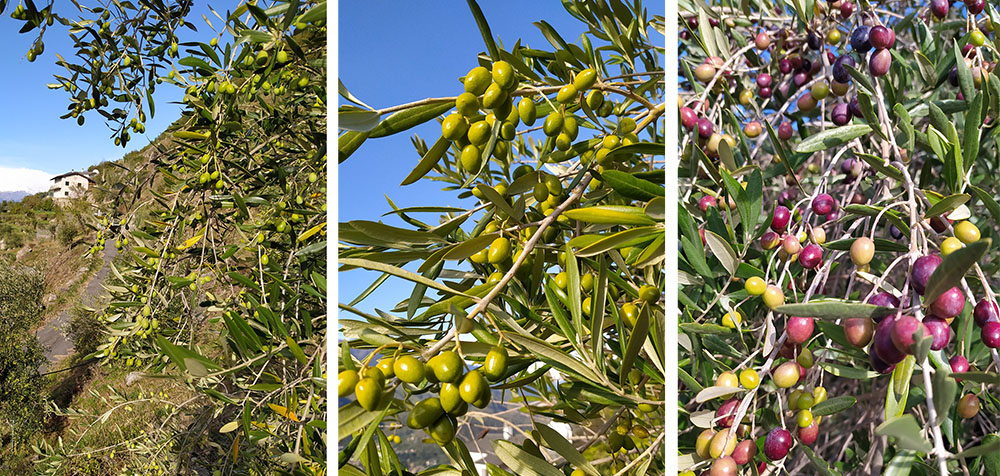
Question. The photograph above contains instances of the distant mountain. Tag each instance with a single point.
(13, 196)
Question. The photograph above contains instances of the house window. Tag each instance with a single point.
(67, 183)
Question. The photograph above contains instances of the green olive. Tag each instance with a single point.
(479, 133)
(495, 364)
(454, 126)
(494, 96)
(375, 373)
(484, 398)
(409, 369)
(567, 94)
(471, 159)
(586, 305)
(594, 100)
(554, 185)
(500, 151)
(450, 396)
(472, 386)
(522, 170)
(570, 126)
(507, 131)
(610, 142)
(541, 192)
(480, 257)
(526, 110)
(385, 366)
(626, 125)
(368, 392)
(499, 251)
(467, 104)
(585, 79)
(447, 366)
(553, 124)
(461, 409)
(503, 74)
(346, 381)
(443, 430)
(563, 142)
(425, 413)
(477, 80)
(649, 294)
(630, 314)
(562, 280)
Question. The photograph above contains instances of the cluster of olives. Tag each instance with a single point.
(456, 388)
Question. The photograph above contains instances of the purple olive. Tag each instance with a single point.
(859, 39)
(846, 9)
(991, 334)
(883, 299)
(823, 204)
(940, 8)
(764, 80)
(879, 63)
(977, 7)
(705, 128)
(840, 72)
(777, 444)
(785, 131)
(854, 107)
(939, 331)
(785, 66)
(811, 256)
(923, 267)
(878, 364)
(764, 93)
(986, 311)
(949, 304)
(814, 41)
(881, 37)
(799, 329)
(895, 233)
(781, 218)
(841, 114)
(883, 346)
(800, 78)
(689, 118)
(903, 331)
(959, 364)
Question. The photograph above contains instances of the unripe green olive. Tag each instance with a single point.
(585, 79)
(385, 366)
(471, 159)
(567, 94)
(704, 441)
(749, 378)
(447, 366)
(450, 397)
(562, 280)
(467, 104)
(626, 125)
(443, 430)
(805, 401)
(503, 74)
(553, 124)
(630, 314)
(540, 192)
(499, 251)
(454, 126)
(721, 444)
(507, 131)
(425, 413)
(408, 369)
(563, 141)
(368, 392)
(484, 398)
(495, 364)
(477, 80)
(804, 418)
(595, 99)
(527, 111)
(346, 381)
(472, 386)
(649, 294)
(494, 96)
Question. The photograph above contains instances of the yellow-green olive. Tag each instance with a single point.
(450, 396)
(385, 366)
(585, 79)
(499, 251)
(567, 94)
(425, 413)
(553, 124)
(495, 364)
(526, 110)
(630, 314)
(447, 366)
(454, 126)
(368, 392)
(503, 74)
(479, 133)
(477, 80)
(494, 96)
(346, 381)
(443, 430)
(467, 104)
(471, 159)
(472, 386)
(409, 369)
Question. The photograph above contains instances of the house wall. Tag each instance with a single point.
(73, 186)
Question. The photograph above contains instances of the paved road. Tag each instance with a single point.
(52, 334)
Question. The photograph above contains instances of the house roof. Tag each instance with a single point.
(68, 174)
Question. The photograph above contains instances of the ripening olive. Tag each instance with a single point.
(786, 375)
(950, 245)
(773, 297)
(862, 251)
(721, 445)
(732, 319)
(968, 406)
(727, 379)
(749, 378)
(967, 232)
(702, 444)
(755, 286)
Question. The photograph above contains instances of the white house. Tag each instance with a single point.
(70, 185)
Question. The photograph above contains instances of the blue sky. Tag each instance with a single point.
(34, 142)
(397, 52)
